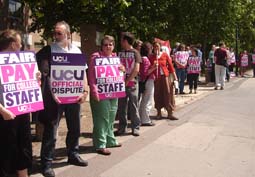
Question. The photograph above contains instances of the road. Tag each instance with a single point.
(213, 138)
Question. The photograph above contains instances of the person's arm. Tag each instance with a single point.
(82, 98)
(7, 115)
(178, 63)
(133, 74)
(171, 68)
(92, 79)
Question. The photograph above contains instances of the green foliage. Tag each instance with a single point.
(193, 21)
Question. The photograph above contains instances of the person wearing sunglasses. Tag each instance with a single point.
(53, 109)
(103, 111)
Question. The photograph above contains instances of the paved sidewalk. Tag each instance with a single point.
(86, 128)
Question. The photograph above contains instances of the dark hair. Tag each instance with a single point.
(221, 44)
(7, 37)
(129, 37)
(195, 50)
(145, 48)
(181, 47)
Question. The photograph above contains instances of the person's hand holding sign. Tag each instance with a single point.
(122, 68)
(56, 99)
(38, 76)
(81, 99)
(7, 115)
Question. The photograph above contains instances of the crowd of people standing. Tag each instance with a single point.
(150, 76)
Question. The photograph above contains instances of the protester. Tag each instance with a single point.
(193, 70)
(244, 62)
(15, 135)
(227, 64)
(53, 109)
(199, 50)
(138, 44)
(131, 59)
(180, 59)
(253, 61)
(232, 62)
(146, 83)
(163, 95)
(220, 56)
(188, 49)
(103, 111)
(212, 62)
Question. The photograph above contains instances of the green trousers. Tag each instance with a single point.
(103, 113)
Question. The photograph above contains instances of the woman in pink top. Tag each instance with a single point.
(103, 111)
(147, 77)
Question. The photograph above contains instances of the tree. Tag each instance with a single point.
(193, 21)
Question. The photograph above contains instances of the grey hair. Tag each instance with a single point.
(65, 24)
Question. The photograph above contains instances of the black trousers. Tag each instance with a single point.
(16, 145)
(193, 79)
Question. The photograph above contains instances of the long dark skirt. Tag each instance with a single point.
(163, 94)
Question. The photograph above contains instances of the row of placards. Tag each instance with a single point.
(20, 92)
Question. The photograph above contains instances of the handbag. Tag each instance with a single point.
(142, 85)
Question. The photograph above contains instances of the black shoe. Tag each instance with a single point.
(120, 132)
(78, 161)
(182, 93)
(148, 124)
(48, 172)
(135, 132)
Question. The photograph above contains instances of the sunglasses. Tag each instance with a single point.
(107, 45)
(58, 33)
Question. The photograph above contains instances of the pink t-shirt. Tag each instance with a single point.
(182, 58)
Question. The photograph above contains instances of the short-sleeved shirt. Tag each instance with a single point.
(129, 58)
(220, 55)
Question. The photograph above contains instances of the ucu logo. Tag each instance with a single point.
(60, 59)
(107, 95)
(24, 108)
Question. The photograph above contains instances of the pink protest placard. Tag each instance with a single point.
(194, 65)
(67, 76)
(182, 57)
(19, 89)
(244, 60)
(109, 79)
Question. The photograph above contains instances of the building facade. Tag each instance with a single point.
(14, 14)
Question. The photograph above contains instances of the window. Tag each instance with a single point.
(15, 14)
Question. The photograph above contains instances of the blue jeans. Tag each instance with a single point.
(131, 100)
(72, 115)
(181, 75)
